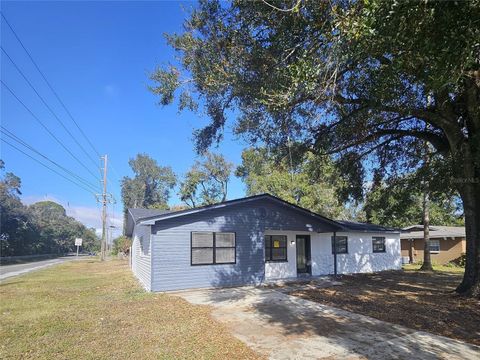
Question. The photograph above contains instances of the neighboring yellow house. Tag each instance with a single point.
(447, 243)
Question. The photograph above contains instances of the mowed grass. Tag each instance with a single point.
(441, 268)
(92, 310)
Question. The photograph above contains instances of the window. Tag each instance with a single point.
(342, 244)
(275, 248)
(378, 244)
(213, 248)
(434, 246)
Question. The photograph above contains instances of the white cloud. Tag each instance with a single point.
(111, 90)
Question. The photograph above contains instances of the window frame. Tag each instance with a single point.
(346, 245)
(214, 247)
(437, 241)
(271, 247)
(384, 244)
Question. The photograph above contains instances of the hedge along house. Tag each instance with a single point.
(250, 241)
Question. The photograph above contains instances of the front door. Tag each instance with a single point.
(303, 254)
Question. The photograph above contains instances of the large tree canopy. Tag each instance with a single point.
(206, 182)
(367, 80)
(398, 203)
(151, 185)
(303, 179)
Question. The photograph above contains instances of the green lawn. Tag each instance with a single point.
(442, 268)
(93, 310)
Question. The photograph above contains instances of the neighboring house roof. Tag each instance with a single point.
(416, 232)
(150, 219)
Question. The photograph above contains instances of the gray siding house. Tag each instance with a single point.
(250, 241)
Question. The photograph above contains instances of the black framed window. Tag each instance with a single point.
(378, 244)
(208, 248)
(342, 244)
(275, 248)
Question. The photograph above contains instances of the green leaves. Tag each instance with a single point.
(151, 185)
(41, 228)
(307, 180)
(168, 82)
(207, 181)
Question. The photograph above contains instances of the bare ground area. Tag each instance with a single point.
(418, 300)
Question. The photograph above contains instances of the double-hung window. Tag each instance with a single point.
(434, 246)
(378, 244)
(210, 248)
(342, 244)
(275, 248)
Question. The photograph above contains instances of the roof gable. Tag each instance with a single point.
(152, 219)
(151, 216)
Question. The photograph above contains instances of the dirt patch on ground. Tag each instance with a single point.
(418, 300)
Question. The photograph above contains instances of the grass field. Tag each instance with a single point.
(91, 310)
(441, 268)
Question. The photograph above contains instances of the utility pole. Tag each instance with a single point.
(104, 198)
(104, 209)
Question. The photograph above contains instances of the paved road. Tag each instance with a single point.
(7, 271)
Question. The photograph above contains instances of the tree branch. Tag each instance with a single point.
(438, 142)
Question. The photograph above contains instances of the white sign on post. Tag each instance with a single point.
(78, 243)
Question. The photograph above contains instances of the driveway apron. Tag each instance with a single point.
(281, 326)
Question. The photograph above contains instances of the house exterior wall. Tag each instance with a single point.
(171, 263)
(288, 269)
(162, 261)
(450, 249)
(360, 257)
(141, 256)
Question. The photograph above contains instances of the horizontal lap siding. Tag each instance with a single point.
(171, 244)
(141, 264)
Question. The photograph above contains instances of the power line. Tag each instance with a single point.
(48, 167)
(50, 86)
(48, 130)
(25, 144)
(48, 106)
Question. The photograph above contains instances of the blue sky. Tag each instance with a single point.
(97, 56)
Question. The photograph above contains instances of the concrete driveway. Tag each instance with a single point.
(280, 326)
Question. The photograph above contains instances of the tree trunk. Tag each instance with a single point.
(470, 285)
(427, 262)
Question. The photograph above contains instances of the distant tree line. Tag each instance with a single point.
(303, 178)
(151, 185)
(41, 228)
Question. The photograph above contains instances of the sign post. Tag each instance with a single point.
(78, 243)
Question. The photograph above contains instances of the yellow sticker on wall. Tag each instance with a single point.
(276, 243)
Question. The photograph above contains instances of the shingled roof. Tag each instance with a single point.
(138, 214)
(358, 226)
(149, 216)
(416, 232)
